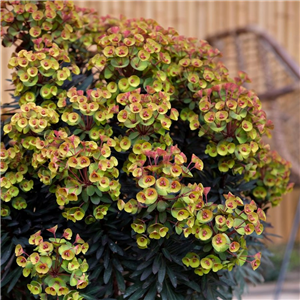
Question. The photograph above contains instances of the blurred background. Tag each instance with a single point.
(269, 53)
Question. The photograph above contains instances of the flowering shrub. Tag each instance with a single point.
(53, 257)
(133, 138)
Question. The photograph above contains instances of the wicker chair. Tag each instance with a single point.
(275, 78)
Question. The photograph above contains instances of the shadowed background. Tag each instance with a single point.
(280, 19)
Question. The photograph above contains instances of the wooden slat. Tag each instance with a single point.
(241, 14)
(5, 74)
(201, 20)
(282, 217)
(192, 19)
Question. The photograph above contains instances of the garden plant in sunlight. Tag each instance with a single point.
(133, 139)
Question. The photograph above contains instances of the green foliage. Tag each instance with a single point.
(133, 138)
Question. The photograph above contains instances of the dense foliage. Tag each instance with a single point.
(131, 138)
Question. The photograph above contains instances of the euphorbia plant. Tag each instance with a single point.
(133, 138)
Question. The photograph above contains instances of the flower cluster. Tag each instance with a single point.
(273, 177)
(33, 119)
(237, 220)
(158, 173)
(54, 265)
(14, 166)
